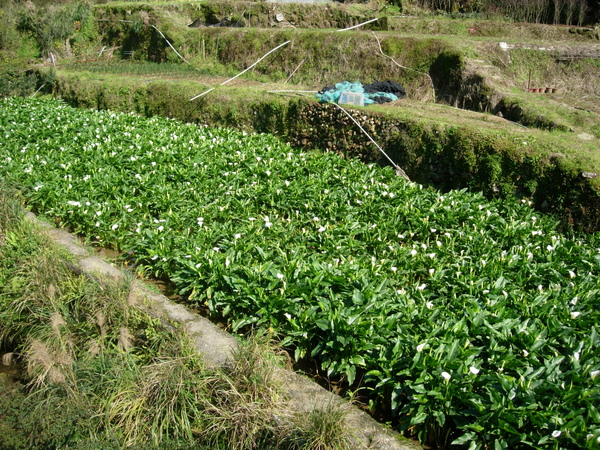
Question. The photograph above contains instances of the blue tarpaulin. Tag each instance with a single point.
(331, 94)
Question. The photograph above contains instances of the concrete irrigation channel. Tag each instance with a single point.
(217, 347)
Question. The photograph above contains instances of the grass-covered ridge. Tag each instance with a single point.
(467, 319)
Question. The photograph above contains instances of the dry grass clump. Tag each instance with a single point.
(177, 397)
(47, 366)
(320, 430)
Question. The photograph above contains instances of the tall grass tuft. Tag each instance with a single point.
(320, 429)
(11, 211)
(244, 407)
(157, 401)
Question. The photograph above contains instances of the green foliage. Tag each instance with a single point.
(473, 321)
(37, 421)
(9, 38)
(319, 429)
(17, 82)
(25, 82)
(418, 139)
(56, 27)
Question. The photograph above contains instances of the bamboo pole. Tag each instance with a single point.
(243, 71)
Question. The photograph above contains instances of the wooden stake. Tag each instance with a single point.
(292, 74)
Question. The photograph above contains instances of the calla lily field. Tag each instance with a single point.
(471, 322)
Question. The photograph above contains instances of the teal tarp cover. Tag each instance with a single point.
(331, 94)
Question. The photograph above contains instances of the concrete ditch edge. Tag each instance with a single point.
(216, 347)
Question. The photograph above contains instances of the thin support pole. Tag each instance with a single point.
(39, 89)
(356, 26)
(173, 48)
(292, 74)
(243, 71)
(399, 170)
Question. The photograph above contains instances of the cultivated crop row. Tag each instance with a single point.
(471, 321)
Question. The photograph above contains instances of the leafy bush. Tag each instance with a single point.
(54, 26)
(473, 322)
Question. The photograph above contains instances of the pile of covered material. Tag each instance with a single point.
(358, 94)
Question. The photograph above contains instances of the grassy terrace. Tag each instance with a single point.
(582, 152)
(557, 132)
(438, 144)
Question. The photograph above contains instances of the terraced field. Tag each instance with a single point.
(470, 321)
(462, 305)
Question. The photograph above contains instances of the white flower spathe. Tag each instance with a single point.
(446, 376)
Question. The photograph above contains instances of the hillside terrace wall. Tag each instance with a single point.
(446, 157)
